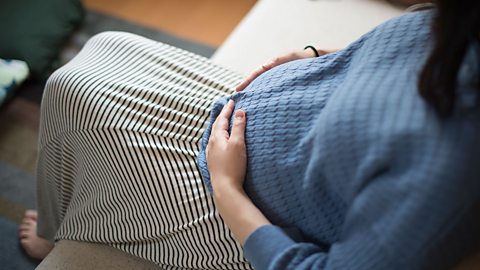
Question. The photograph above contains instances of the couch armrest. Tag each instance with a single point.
(75, 255)
(274, 27)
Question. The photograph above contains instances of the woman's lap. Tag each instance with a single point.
(119, 138)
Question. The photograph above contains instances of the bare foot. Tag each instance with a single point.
(36, 247)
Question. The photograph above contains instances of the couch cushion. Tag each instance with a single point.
(34, 31)
(76, 255)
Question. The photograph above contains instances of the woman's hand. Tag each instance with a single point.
(227, 164)
(226, 153)
(278, 61)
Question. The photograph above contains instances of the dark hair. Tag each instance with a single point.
(456, 27)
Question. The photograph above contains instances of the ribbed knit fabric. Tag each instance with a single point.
(342, 149)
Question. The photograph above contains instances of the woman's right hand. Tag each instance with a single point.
(278, 61)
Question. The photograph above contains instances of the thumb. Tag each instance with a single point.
(238, 127)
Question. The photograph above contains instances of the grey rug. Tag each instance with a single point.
(17, 192)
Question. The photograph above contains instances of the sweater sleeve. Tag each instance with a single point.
(269, 247)
(417, 212)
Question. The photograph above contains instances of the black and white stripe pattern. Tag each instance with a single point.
(120, 130)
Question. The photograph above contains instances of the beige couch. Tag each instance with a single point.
(271, 28)
(274, 27)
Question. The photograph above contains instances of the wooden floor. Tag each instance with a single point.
(205, 21)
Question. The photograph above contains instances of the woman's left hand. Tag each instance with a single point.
(227, 164)
(226, 153)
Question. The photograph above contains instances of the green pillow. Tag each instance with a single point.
(35, 30)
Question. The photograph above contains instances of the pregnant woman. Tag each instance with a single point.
(364, 158)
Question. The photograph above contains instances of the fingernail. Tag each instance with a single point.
(239, 114)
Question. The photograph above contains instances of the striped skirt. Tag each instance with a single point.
(120, 131)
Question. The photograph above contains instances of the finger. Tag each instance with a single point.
(221, 123)
(246, 81)
(250, 78)
(28, 222)
(269, 65)
(31, 213)
(243, 84)
(327, 51)
(283, 59)
(24, 234)
(272, 63)
(238, 127)
(228, 109)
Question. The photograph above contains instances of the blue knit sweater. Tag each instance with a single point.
(355, 170)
